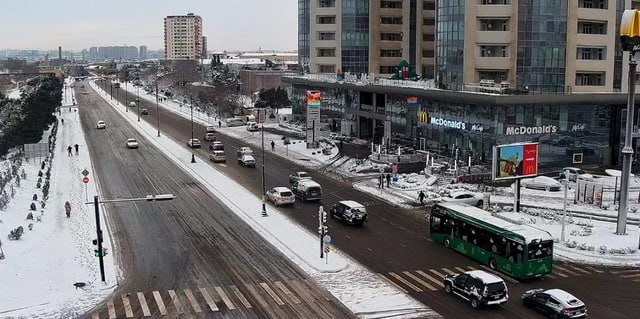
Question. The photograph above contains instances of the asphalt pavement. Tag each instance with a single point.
(190, 256)
(395, 242)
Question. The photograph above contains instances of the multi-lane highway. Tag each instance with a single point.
(192, 254)
(395, 242)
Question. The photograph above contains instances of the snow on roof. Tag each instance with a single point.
(281, 189)
(285, 111)
(487, 278)
(562, 296)
(528, 232)
(308, 183)
(351, 203)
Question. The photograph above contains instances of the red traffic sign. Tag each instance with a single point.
(85, 179)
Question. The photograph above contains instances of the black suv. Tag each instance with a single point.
(349, 211)
(478, 287)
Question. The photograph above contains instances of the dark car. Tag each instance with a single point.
(349, 211)
(478, 287)
(555, 303)
(144, 112)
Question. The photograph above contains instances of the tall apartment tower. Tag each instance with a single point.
(204, 48)
(366, 36)
(143, 52)
(544, 46)
(183, 37)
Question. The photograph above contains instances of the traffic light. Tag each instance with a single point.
(97, 252)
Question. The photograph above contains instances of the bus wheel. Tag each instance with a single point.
(493, 264)
(447, 242)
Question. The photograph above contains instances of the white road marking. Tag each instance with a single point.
(192, 300)
(559, 274)
(404, 281)
(127, 306)
(225, 298)
(580, 270)
(433, 280)
(143, 305)
(565, 270)
(258, 297)
(549, 276)
(160, 303)
(459, 269)
(287, 292)
(272, 293)
(111, 309)
(240, 296)
(624, 271)
(420, 281)
(595, 270)
(391, 282)
(631, 276)
(436, 273)
(176, 301)
(472, 268)
(448, 271)
(207, 297)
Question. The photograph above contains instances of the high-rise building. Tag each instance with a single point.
(204, 47)
(93, 52)
(143, 52)
(183, 37)
(550, 46)
(118, 52)
(366, 36)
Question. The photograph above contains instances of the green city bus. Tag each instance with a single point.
(520, 251)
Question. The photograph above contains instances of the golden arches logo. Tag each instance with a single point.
(423, 116)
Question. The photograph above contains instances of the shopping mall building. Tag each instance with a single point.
(572, 129)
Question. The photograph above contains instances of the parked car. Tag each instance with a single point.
(132, 104)
(478, 287)
(466, 197)
(234, 122)
(349, 211)
(144, 112)
(101, 125)
(542, 182)
(574, 173)
(555, 303)
(307, 189)
(132, 143)
(209, 136)
(194, 143)
(247, 160)
(211, 129)
(253, 127)
(216, 146)
(217, 156)
(298, 176)
(281, 196)
(244, 151)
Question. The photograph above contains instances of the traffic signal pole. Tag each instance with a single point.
(99, 238)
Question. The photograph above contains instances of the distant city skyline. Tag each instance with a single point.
(76, 25)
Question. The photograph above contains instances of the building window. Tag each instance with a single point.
(494, 25)
(326, 3)
(326, 20)
(428, 53)
(387, 69)
(591, 54)
(496, 76)
(494, 51)
(390, 53)
(326, 35)
(326, 68)
(591, 27)
(428, 5)
(428, 21)
(428, 37)
(390, 20)
(490, 2)
(327, 52)
(391, 36)
(391, 4)
(590, 79)
(593, 4)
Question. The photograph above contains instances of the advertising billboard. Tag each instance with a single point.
(313, 98)
(313, 118)
(513, 161)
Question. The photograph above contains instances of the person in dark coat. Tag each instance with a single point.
(388, 180)
(421, 197)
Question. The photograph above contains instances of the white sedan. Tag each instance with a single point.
(542, 182)
(132, 143)
(281, 196)
(101, 125)
(466, 197)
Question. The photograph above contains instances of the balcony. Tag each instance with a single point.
(494, 11)
(493, 63)
(583, 39)
(592, 65)
(493, 37)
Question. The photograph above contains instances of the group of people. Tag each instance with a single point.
(69, 149)
(387, 177)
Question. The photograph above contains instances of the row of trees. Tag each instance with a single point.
(23, 121)
(275, 98)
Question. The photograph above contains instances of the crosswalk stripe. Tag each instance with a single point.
(448, 271)
(624, 271)
(404, 281)
(192, 300)
(549, 276)
(272, 293)
(459, 269)
(595, 270)
(559, 274)
(225, 298)
(393, 283)
(420, 281)
(143, 305)
(636, 280)
(176, 301)
(287, 292)
(472, 268)
(433, 280)
(240, 296)
(565, 270)
(127, 306)
(207, 298)
(95, 315)
(580, 270)
(630, 276)
(499, 275)
(257, 296)
(159, 302)
(437, 273)
(111, 309)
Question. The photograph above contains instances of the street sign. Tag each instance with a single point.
(85, 179)
(85, 172)
(327, 249)
(326, 239)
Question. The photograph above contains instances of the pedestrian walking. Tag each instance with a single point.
(388, 180)
(341, 147)
(219, 124)
(67, 209)
(62, 121)
(273, 145)
(69, 149)
(76, 146)
(421, 197)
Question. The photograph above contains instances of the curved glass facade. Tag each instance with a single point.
(450, 44)
(303, 34)
(355, 36)
(542, 45)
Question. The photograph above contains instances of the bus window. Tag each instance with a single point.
(435, 223)
(538, 250)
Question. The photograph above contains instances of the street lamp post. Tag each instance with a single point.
(157, 113)
(100, 253)
(193, 155)
(264, 191)
(117, 94)
(111, 91)
(138, 101)
(126, 92)
(564, 208)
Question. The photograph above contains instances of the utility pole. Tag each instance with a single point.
(264, 191)
(157, 112)
(100, 252)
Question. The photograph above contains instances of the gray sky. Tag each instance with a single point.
(79, 24)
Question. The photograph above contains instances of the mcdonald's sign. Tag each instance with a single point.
(515, 161)
(630, 30)
(423, 116)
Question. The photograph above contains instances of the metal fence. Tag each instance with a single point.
(36, 150)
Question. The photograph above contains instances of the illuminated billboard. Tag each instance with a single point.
(313, 98)
(515, 161)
